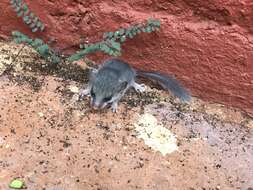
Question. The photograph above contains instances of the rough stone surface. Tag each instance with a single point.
(208, 45)
(53, 142)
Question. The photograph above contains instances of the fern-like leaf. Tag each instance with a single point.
(29, 17)
(43, 49)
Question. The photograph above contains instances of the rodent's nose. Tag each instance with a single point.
(95, 105)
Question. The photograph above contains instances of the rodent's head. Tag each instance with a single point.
(104, 92)
(100, 97)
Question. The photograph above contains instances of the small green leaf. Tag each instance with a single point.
(94, 47)
(103, 47)
(26, 19)
(115, 45)
(148, 29)
(16, 33)
(123, 38)
(110, 34)
(38, 24)
(76, 56)
(36, 19)
(19, 3)
(116, 34)
(25, 9)
(154, 22)
(20, 13)
(150, 21)
(135, 28)
(18, 40)
(31, 15)
(42, 27)
(43, 50)
(27, 22)
(35, 29)
(158, 23)
(116, 53)
(26, 12)
(17, 9)
(110, 52)
(127, 32)
(37, 42)
(16, 184)
(138, 31)
(32, 25)
(152, 28)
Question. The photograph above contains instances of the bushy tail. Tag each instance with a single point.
(168, 83)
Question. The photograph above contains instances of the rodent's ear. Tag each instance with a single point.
(92, 74)
(122, 86)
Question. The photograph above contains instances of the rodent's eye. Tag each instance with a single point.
(92, 93)
(107, 99)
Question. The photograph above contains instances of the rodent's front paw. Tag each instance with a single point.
(139, 87)
(114, 107)
(84, 92)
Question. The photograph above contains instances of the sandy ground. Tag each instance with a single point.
(54, 143)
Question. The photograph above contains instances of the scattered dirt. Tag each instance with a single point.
(54, 143)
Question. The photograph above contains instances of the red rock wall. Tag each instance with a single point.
(207, 44)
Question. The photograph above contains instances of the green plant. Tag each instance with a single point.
(111, 43)
(28, 16)
(124, 33)
(43, 49)
(109, 46)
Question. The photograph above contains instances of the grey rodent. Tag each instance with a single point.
(114, 77)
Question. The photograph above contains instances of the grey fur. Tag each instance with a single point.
(114, 77)
(168, 83)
